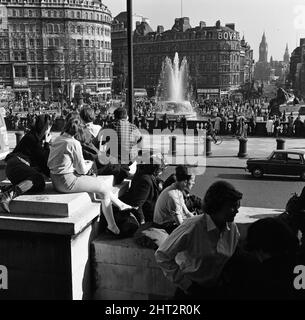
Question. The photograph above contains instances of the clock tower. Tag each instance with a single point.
(263, 50)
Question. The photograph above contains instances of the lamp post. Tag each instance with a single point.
(130, 60)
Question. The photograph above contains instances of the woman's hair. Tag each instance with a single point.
(41, 122)
(87, 114)
(73, 123)
(219, 193)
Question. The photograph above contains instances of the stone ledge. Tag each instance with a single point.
(50, 203)
(124, 270)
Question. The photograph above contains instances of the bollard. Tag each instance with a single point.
(172, 146)
(242, 147)
(19, 136)
(280, 144)
(208, 142)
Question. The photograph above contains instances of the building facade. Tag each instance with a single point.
(119, 52)
(218, 62)
(213, 54)
(296, 76)
(54, 47)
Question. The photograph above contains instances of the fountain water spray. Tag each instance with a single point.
(174, 91)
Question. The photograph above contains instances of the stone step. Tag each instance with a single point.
(54, 204)
(124, 270)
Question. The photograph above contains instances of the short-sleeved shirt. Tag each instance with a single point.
(169, 205)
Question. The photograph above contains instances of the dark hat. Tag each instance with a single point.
(296, 204)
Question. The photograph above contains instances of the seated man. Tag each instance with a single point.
(193, 203)
(170, 209)
(194, 255)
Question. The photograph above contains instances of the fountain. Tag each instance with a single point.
(174, 92)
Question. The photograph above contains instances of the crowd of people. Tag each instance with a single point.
(201, 253)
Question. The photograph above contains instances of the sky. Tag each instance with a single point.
(282, 20)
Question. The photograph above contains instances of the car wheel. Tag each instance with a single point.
(303, 176)
(257, 173)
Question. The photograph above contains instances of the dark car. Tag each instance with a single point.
(280, 162)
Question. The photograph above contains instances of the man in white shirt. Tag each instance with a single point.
(194, 255)
(170, 209)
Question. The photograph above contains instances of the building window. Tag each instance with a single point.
(56, 42)
(72, 29)
(16, 56)
(38, 42)
(55, 14)
(49, 14)
(20, 71)
(40, 72)
(56, 28)
(50, 42)
(32, 56)
(30, 13)
(33, 72)
(15, 43)
(78, 15)
(78, 29)
(92, 43)
(50, 28)
(14, 28)
(61, 14)
(72, 14)
(87, 43)
(14, 13)
(79, 43)
(86, 16)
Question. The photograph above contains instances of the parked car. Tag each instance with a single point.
(280, 162)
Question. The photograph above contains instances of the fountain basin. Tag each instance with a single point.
(177, 109)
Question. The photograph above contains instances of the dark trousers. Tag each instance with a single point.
(18, 171)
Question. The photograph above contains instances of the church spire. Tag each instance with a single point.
(286, 55)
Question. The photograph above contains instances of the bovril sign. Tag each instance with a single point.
(226, 35)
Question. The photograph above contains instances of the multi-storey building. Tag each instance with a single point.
(56, 46)
(213, 54)
(119, 52)
(296, 75)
